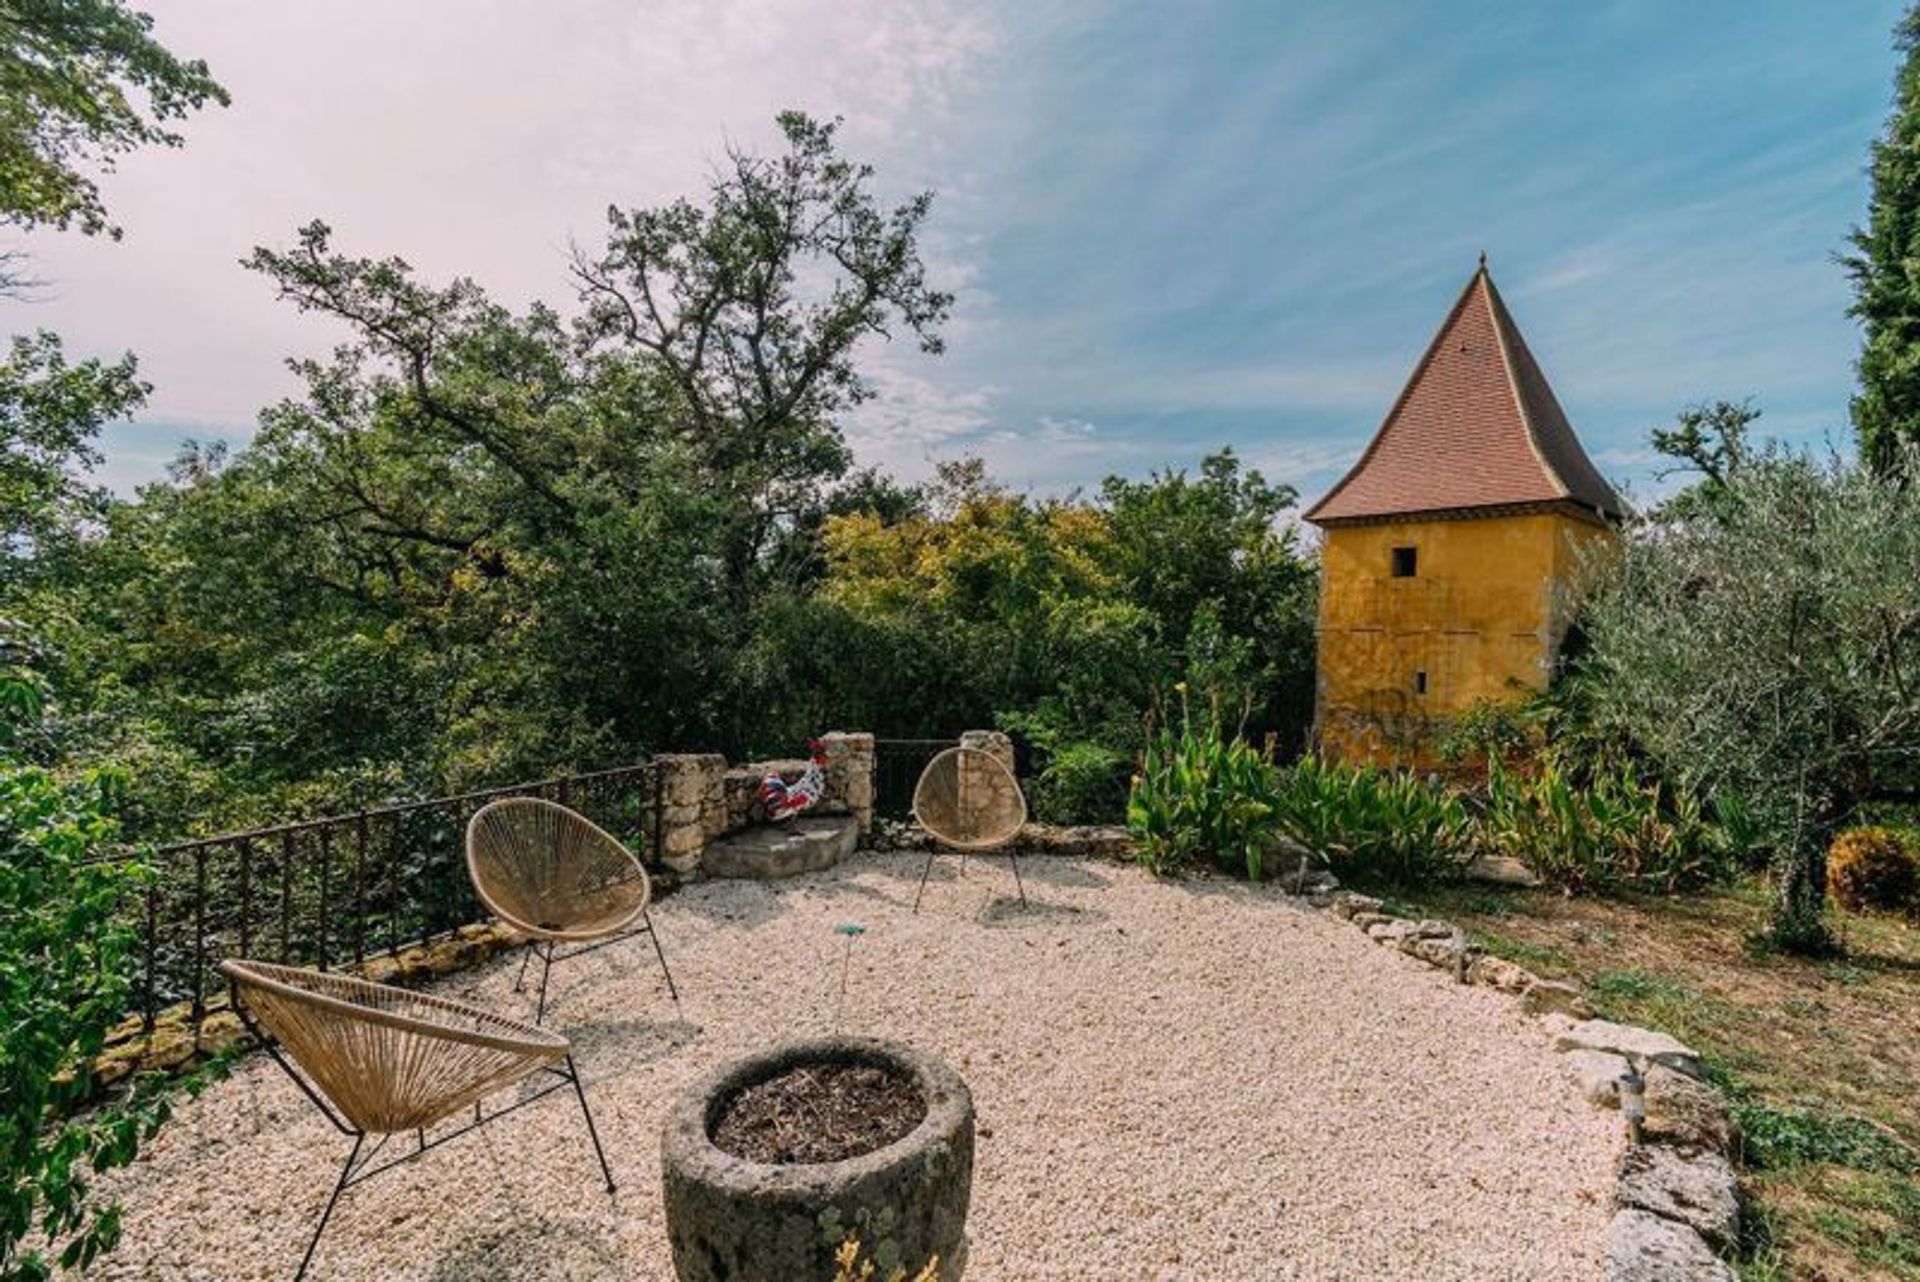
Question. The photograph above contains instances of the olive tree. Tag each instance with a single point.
(1768, 645)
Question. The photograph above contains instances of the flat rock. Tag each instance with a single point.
(1431, 929)
(1684, 1110)
(1500, 870)
(1634, 1043)
(1498, 972)
(1347, 904)
(1317, 881)
(1598, 1073)
(1698, 1188)
(1552, 997)
(807, 844)
(1444, 953)
(1392, 931)
(1642, 1247)
(1370, 917)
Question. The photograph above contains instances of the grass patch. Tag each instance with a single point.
(1781, 1138)
(1550, 962)
(1637, 986)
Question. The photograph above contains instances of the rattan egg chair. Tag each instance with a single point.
(969, 802)
(382, 1061)
(558, 878)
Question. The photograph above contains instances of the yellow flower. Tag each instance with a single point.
(1181, 686)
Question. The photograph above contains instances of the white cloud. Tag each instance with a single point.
(476, 138)
(1064, 429)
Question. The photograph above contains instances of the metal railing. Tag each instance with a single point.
(897, 764)
(333, 892)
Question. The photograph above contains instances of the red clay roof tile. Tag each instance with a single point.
(1476, 426)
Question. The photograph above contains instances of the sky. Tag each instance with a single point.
(1169, 227)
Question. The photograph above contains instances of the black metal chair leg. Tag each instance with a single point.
(654, 935)
(339, 1187)
(546, 969)
(573, 1073)
(923, 880)
(1017, 883)
(520, 984)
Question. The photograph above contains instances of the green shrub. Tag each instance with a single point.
(1507, 729)
(66, 957)
(1614, 830)
(1374, 825)
(1203, 793)
(1081, 783)
(1874, 868)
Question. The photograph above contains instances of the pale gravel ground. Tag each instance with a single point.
(1174, 1080)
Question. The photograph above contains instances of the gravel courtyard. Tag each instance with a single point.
(1173, 1080)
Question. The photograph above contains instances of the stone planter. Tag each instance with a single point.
(734, 1220)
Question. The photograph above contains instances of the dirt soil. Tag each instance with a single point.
(826, 1113)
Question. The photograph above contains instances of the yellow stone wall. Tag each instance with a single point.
(1482, 616)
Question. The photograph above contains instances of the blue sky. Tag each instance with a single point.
(1170, 227)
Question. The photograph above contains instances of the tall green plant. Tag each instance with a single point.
(1203, 792)
(1612, 829)
(1374, 825)
(1886, 298)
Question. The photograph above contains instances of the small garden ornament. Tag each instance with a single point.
(851, 932)
(785, 800)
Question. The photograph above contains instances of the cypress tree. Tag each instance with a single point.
(1885, 267)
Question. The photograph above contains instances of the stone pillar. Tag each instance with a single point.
(850, 773)
(983, 789)
(992, 742)
(691, 788)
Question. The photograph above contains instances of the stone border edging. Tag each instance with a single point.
(1676, 1195)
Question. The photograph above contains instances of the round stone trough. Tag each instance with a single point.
(734, 1220)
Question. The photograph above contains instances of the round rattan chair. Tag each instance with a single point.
(968, 801)
(381, 1061)
(558, 878)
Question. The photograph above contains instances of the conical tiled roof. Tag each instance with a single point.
(1476, 427)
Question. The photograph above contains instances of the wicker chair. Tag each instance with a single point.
(558, 878)
(382, 1061)
(968, 801)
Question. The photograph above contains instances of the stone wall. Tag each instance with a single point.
(706, 800)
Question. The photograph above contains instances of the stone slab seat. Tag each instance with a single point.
(807, 844)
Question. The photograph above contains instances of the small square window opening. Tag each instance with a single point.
(1406, 562)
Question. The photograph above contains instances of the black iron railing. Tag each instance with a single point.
(897, 764)
(333, 892)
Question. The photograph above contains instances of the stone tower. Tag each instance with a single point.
(1447, 546)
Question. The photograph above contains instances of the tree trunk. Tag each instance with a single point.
(1799, 922)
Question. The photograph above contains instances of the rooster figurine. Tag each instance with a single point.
(784, 800)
